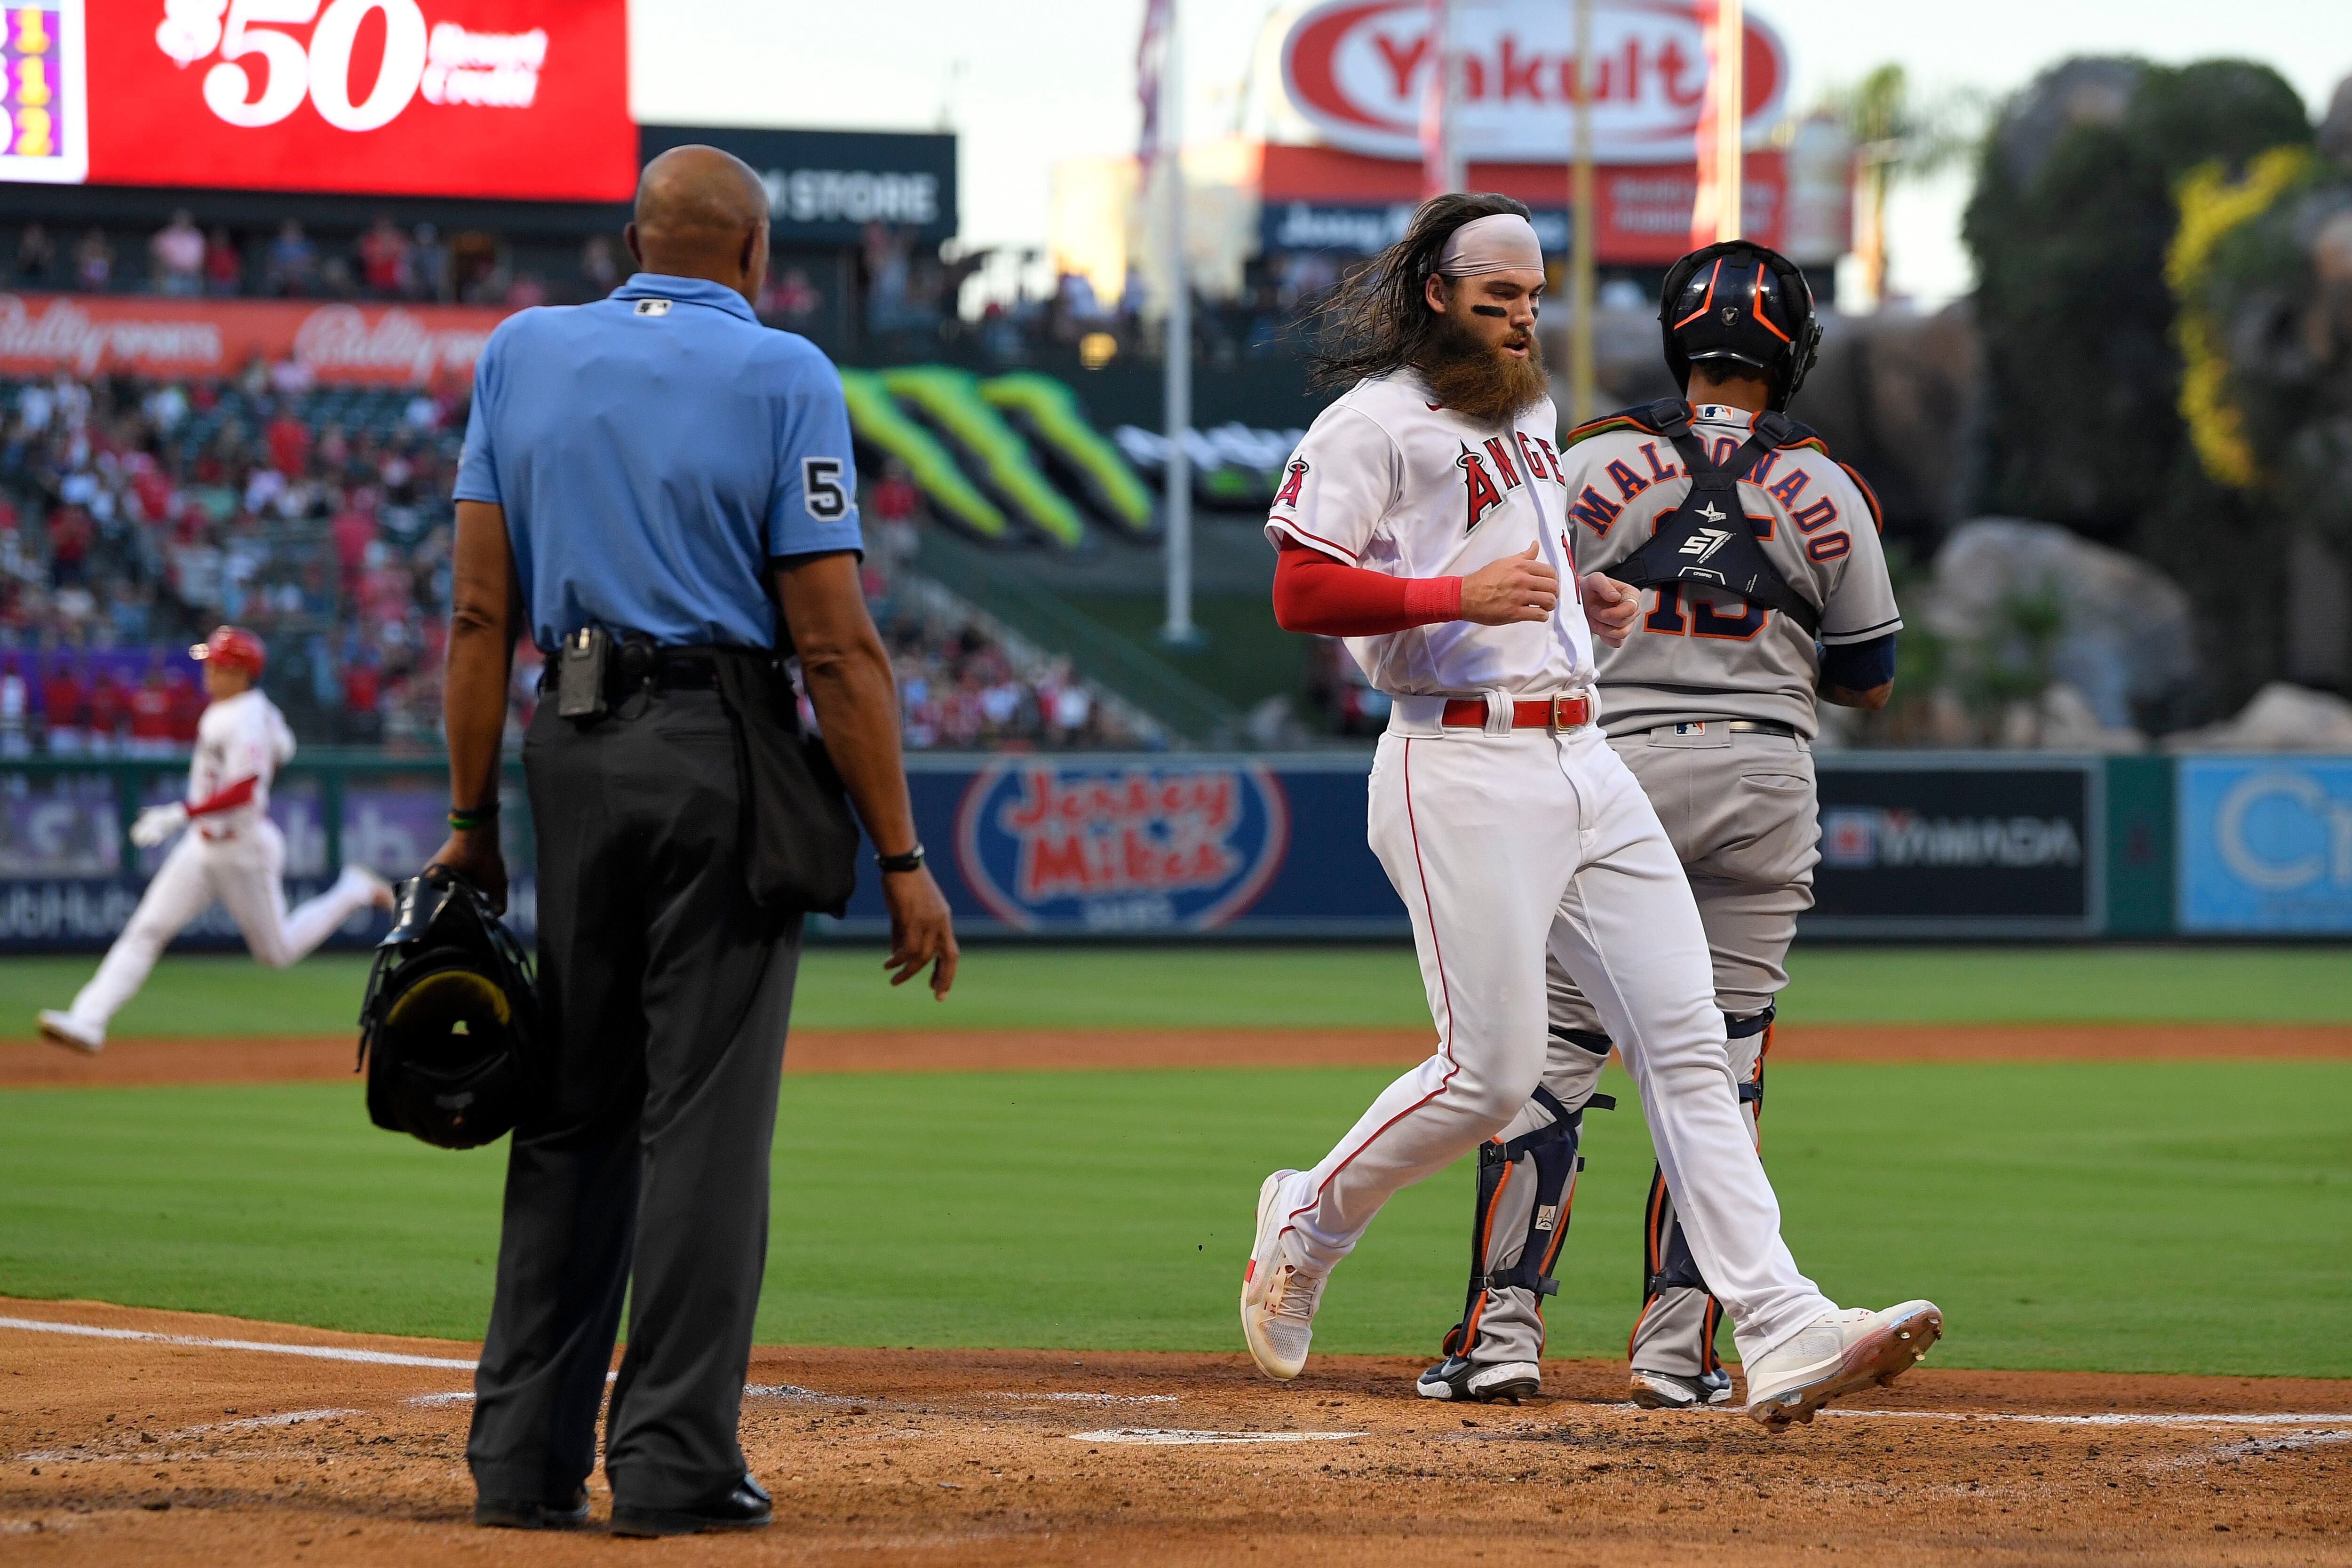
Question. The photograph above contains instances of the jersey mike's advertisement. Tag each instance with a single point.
(1149, 846)
(511, 99)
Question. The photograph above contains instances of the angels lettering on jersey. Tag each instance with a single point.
(1489, 473)
(1387, 481)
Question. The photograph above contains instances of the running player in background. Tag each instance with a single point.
(233, 852)
(1711, 700)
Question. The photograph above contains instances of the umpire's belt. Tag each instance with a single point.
(645, 667)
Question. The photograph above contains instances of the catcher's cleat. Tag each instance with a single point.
(1674, 1391)
(1455, 1378)
(64, 1029)
(1278, 1297)
(1841, 1354)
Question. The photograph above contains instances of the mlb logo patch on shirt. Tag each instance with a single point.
(653, 307)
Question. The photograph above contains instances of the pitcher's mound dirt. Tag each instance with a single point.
(148, 1451)
(28, 1064)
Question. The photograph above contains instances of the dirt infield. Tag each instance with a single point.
(172, 1446)
(34, 1063)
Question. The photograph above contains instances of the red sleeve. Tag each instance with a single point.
(236, 794)
(1313, 593)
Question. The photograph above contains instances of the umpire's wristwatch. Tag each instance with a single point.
(912, 860)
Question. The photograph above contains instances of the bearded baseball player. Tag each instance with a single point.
(231, 852)
(1426, 518)
(1712, 706)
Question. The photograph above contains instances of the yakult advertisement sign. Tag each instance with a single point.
(465, 98)
(1359, 71)
(1121, 848)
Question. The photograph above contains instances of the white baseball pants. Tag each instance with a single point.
(1503, 845)
(243, 873)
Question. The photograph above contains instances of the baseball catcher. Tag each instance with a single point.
(230, 850)
(1766, 593)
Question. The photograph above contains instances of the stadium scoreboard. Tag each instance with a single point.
(498, 98)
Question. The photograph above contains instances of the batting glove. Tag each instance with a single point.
(158, 823)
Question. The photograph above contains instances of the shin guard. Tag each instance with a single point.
(1527, 1186)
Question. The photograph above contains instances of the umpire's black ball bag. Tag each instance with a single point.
(445, 1033)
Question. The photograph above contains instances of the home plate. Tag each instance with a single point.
(1165, 1436)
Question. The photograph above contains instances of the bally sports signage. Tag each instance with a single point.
(1359, 71)
(204, 340)
(451, 97)
(1123, 846)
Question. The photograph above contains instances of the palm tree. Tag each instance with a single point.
(1896, 138)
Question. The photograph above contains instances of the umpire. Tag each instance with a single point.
(655, 485)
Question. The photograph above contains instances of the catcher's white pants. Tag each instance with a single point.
(1503, 845)
(243, 873)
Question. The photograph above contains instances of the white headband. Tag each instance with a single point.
(1503, 242)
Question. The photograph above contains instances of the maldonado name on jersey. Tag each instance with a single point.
(1698, 653)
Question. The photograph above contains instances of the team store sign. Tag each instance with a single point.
(461, 98)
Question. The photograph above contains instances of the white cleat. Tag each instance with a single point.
(379, 891)
(1841, 1354)
(63, 1029)
(1278, 1297)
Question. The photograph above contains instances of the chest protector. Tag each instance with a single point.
(1706, 540)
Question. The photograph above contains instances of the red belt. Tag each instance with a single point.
(1555, 713)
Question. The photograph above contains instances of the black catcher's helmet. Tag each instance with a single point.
(1737, 300)
(447, 1030)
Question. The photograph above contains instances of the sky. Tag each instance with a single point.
(1026, 82)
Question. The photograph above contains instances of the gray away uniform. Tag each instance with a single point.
(1711, 703)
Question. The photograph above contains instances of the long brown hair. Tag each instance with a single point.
(1380, 318)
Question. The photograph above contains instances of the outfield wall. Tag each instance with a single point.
(1916, 845)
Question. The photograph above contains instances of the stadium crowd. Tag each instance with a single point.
(135, 515)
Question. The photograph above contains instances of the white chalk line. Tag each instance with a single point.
(147, 1452)
(1093, 1398)
(794, 1393)
(1157, 1436)
(2112, 1418)
(316, 1353)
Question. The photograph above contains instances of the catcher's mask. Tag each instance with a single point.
(446, 1029)
(1742, 302)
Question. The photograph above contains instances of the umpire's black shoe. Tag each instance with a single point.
(745, 1507)
(516, 1513)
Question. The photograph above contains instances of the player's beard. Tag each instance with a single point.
(1485, 383)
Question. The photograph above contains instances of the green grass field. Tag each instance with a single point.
(1007, 987)
(2164, 1216)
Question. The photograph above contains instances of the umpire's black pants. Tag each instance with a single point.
(665, 995)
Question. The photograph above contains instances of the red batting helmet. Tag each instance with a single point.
(233, 647)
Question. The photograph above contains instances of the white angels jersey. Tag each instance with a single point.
(239, 737)
(1388, 480)
(1694, 652)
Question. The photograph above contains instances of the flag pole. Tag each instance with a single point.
(1729, 90)
(1178, 507)
(1581, 237)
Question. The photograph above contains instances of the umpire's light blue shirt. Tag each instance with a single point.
(654, 453)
